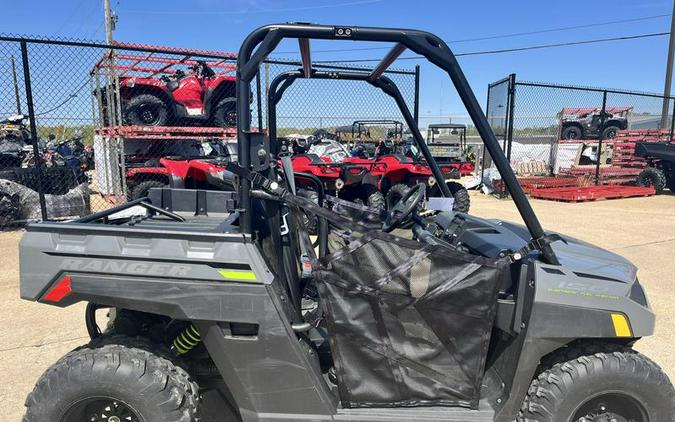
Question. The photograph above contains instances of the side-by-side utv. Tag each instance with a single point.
(222, 310)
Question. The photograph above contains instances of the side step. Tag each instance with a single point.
(415, 415)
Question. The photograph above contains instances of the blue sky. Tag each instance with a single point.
(222, 24)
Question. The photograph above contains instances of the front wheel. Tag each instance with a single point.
(610, 132)
(146, 110)
(651, 176)
(395, 194)
(670, 180)
(114, 378)
(620, 386)
(462, 200)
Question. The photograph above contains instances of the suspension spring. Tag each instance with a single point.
(186, 340)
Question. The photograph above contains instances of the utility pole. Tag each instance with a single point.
(669, 72)
(110, 21)
(16, 86)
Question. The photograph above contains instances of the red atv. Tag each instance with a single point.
(200, 96)
(398, 172)
(197, 165)
(353, 181)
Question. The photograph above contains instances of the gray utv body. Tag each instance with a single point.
(195, 256)
(198, 270)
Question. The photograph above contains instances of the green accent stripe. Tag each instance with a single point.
(238, 275)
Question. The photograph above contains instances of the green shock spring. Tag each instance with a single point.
(186, 340)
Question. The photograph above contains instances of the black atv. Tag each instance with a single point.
(660, 172)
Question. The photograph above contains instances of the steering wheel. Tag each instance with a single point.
(403, 208)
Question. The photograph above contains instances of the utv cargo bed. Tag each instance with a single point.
(175, 234)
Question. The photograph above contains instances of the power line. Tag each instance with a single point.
(517, 49)
(69, 18)
(495, 37)
(256, 11)
(565, 28)
(66, 101)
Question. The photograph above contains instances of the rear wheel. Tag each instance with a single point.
(142, 189)
(651, 176)
(620, 386)
(610, 132)
(571, 132)
(225, 113)
(146, 110)
(114, 379)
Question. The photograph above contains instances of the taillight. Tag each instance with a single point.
(61, 290)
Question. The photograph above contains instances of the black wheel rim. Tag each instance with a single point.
(231, 118)
(611, 407)
(148, 114)
(101, 409)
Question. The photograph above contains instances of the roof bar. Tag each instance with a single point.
(168, 65)
(391, 56)
(306, 58)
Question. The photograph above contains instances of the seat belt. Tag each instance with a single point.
(287, 168)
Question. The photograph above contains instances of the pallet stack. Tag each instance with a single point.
(575, 184)
(623, 154)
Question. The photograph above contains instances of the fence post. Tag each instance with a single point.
(16, 85)
(512, 107)
(416, 105)
(602, 124)
(259, 100)
(483, 150)
(33, 129)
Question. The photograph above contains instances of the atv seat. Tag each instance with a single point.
(315, 159)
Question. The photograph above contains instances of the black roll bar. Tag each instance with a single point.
(262, 41)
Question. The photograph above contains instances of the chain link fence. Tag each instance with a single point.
(560, 135)
(85, 126)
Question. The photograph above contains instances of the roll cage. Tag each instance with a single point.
(262, 41)
(361, 126)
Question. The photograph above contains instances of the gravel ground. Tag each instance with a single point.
(642, 229)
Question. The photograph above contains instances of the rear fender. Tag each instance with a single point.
(226, 88)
